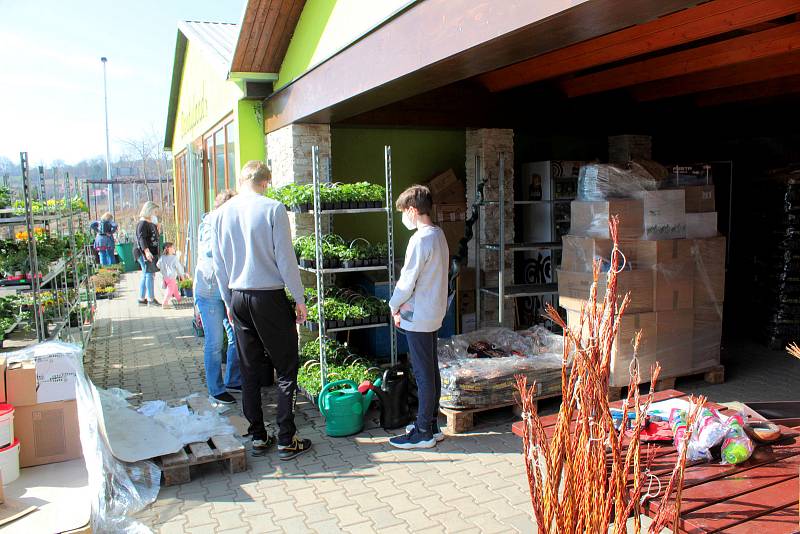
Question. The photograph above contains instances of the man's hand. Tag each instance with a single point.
(302, 313)
(396, 318)
(148, 255)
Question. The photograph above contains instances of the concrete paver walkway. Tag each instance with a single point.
(469, 483)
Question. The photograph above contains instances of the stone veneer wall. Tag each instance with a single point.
(488, 143)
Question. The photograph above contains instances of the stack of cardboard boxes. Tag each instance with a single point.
(674, 268)
(42, 391)
(449, 206)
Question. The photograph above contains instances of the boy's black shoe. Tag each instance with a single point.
(414, 440)
(298, 447)
(225, 398)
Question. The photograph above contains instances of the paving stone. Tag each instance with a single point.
(385, 517)
(326, 527)
(348, 515)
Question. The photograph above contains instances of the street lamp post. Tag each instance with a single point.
(108, 146)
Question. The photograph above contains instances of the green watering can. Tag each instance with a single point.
(343, 408)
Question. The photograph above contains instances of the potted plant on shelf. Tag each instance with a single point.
(186, 287)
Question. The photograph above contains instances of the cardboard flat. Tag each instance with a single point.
(449, 212)
(573, 285)
(590, 219)
(133, 436)
(701, 225)
(447, 188)
(11, 510)
(700, 198)
(55, 377)
(59, 491)
(21, 383)
(47, 433)
(2, 379)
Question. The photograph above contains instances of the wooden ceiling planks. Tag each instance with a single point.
(267, 28)
(751, 47)
(787, 85)
(707, 20)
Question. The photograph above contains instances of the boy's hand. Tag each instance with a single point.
(302, 313)
(396, 317)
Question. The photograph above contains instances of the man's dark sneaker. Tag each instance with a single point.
(298, 447)
(438, 435)
(143, 302)
(414, 440)
(235, 389)
(224, 398)
(263, 444)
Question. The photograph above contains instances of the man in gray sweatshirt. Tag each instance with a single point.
(253, 262)
(419, 304)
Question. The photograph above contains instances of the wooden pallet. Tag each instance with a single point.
(225, 449)
(461, 420)
(712, 375)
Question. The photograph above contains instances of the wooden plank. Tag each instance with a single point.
(260, 8)
(783, 521)
(201, 452)
(267, 61)
(175, 459)
(750, 47)
(267, 28)
(752, 91)
(730, 76)
(243, 42)
(287, 33)
(227, 445)
(683, 27)
(741, 508)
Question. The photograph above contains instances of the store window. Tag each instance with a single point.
(219, 166)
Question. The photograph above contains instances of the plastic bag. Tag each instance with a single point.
(737, 446)
(187, 426)
(600, 181)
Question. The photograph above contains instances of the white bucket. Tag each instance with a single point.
(9, 462)
(6, 425)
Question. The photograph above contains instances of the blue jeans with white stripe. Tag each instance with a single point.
(215, 325)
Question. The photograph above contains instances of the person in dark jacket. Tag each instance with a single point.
(104, 238)
(146, 251)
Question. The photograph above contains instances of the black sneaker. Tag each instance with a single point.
(438, 435)
(298, 447)
(142, 302)
(414, 440)
(224, 398)
(260, 445)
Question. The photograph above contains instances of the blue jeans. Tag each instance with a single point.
(215, 322)
(106, 257)
(424, 357)
(146, 288)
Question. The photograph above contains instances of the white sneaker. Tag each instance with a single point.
(438, 435)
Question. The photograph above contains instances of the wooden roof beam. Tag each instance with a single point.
(730, 76)
(787, 85)
(729, 52)
(706, 20)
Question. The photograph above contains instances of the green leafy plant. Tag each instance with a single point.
(186, 283)
(5, 197)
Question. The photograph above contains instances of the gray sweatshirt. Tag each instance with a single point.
(169, 266)
(254, 247)
(421, 291)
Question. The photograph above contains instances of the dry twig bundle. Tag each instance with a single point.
(584, 474)
(794, 350)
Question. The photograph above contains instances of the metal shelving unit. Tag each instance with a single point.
(506, 291)
(57, 279)
(320, 273)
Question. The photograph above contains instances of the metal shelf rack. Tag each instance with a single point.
(59, 274)
(505, 291)
(320, 273)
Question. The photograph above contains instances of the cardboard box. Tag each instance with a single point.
(674, 346)
(590, 219)
(578, 253)
(707, 336)
(700, 225)
(466, 301)
(466, 279)
(664, 213)
(447, 188)
(709, 270)
(449, 212)
(453, 232)
(573, 285)
(700, 198)
(21, 383)
(47, 432)
(56, 378)
(2, 379)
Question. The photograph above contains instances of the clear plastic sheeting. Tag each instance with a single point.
(118, 489)
(187, 426)
(478, 368)
(602, 181)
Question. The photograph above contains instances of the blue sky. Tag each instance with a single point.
(51, 78)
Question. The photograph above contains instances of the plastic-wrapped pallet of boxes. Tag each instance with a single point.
(674, 272)
(478, 368)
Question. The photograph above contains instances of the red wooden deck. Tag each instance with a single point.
(759, 496)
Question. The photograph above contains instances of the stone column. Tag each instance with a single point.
(290, 159)
(488, 143)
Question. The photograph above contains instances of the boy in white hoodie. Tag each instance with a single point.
(419, 304)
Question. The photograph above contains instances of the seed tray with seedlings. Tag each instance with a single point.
(336, 253)
(335, 196)
(342, 364)
(345, 308)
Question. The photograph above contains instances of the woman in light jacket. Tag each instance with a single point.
(213, 315)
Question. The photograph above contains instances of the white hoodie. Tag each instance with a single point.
(421, 291)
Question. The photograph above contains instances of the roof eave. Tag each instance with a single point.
(175, 89)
